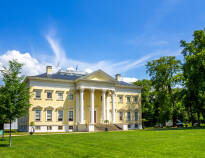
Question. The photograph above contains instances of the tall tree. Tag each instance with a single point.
(148, 107)
(15, 93)
(162, 72)
(194, 73)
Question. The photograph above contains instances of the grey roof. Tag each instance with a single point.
(125, 83)
(59, 76)
(72, 77)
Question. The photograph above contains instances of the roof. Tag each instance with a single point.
(73, 77)
(59, 76)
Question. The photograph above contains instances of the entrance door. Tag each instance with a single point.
(95, 116)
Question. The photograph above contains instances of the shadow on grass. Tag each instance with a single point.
(4, 145)
(174, 128)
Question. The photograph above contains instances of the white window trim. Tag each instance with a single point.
(58, 115)
(68, 115)
(35, 115)
(51, 116)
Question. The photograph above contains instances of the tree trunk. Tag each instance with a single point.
(173, 104)
(10, 135)
(2, 128)
(198, 117)
(192, 119)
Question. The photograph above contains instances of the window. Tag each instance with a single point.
(136, 116)
(70, 127)
(49, 115)
(60, 127)
(49, 128)
(121, 116)
(70, 116)
(38, 94)
(128, 99)
(70, 96)
(60, 115)
(37, 127)
(128, 116)
(60, 95)
(49, 95)
(120, 98)
(135, 99)
(37, 115)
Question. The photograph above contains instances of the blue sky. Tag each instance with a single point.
(117, 36)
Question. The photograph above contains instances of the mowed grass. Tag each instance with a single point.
(142, 143)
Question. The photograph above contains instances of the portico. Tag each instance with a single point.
(103, 106)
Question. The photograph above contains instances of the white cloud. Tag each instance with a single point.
(129, 79)
(34, 66)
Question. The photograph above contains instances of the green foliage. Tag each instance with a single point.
(194, 74)
(14, 97)
(163, 73)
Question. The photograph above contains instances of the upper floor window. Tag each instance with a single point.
(70, 115)
(60, 95)
(38, 94)
(121, 116)
(120, 98)
(37, 115)
(136, 99)
(128, 99)
(128, 116)
(49, 94)
(70, 96)
(136, 116)
(60, 115)
(49, 115)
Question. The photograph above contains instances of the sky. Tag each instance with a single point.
(117, 36)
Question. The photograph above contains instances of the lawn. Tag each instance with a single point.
(141, 143)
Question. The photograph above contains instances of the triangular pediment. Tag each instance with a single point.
(98, 75)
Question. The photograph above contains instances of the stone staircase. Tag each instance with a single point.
(111, 127)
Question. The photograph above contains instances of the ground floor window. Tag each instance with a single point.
(49, 128)
(37, 127)
(136, 116)
(37, 115)
(129, 126)
(49, 115)
(60, 127)
(128, 116)
(136, 125)
(70, 116)
(60, 115)
(70, 127)
(121, 116)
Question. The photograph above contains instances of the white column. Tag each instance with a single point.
(77, 107)
(103, 105)
(108, 108)
(92, 105)
(113, 107)
(81, 107)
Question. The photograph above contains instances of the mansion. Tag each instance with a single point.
(70, 100)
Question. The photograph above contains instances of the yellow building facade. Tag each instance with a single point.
(77, 101)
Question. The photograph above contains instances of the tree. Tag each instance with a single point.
(194, 74)
(15, 93)
(163, 73)
(148, 108)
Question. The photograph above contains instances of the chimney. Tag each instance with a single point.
(118, 77)
(48, 70)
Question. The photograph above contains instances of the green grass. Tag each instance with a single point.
(142, 143)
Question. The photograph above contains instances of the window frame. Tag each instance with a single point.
(129, 118)
(62, 115)
(128, 99)
(70, 119)
(120, 100)
(121, 116)
(36, 92)
(70, 94)
(47, 92)
(60, 97)
(39, 115)
(136, 112)
(47, 115)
